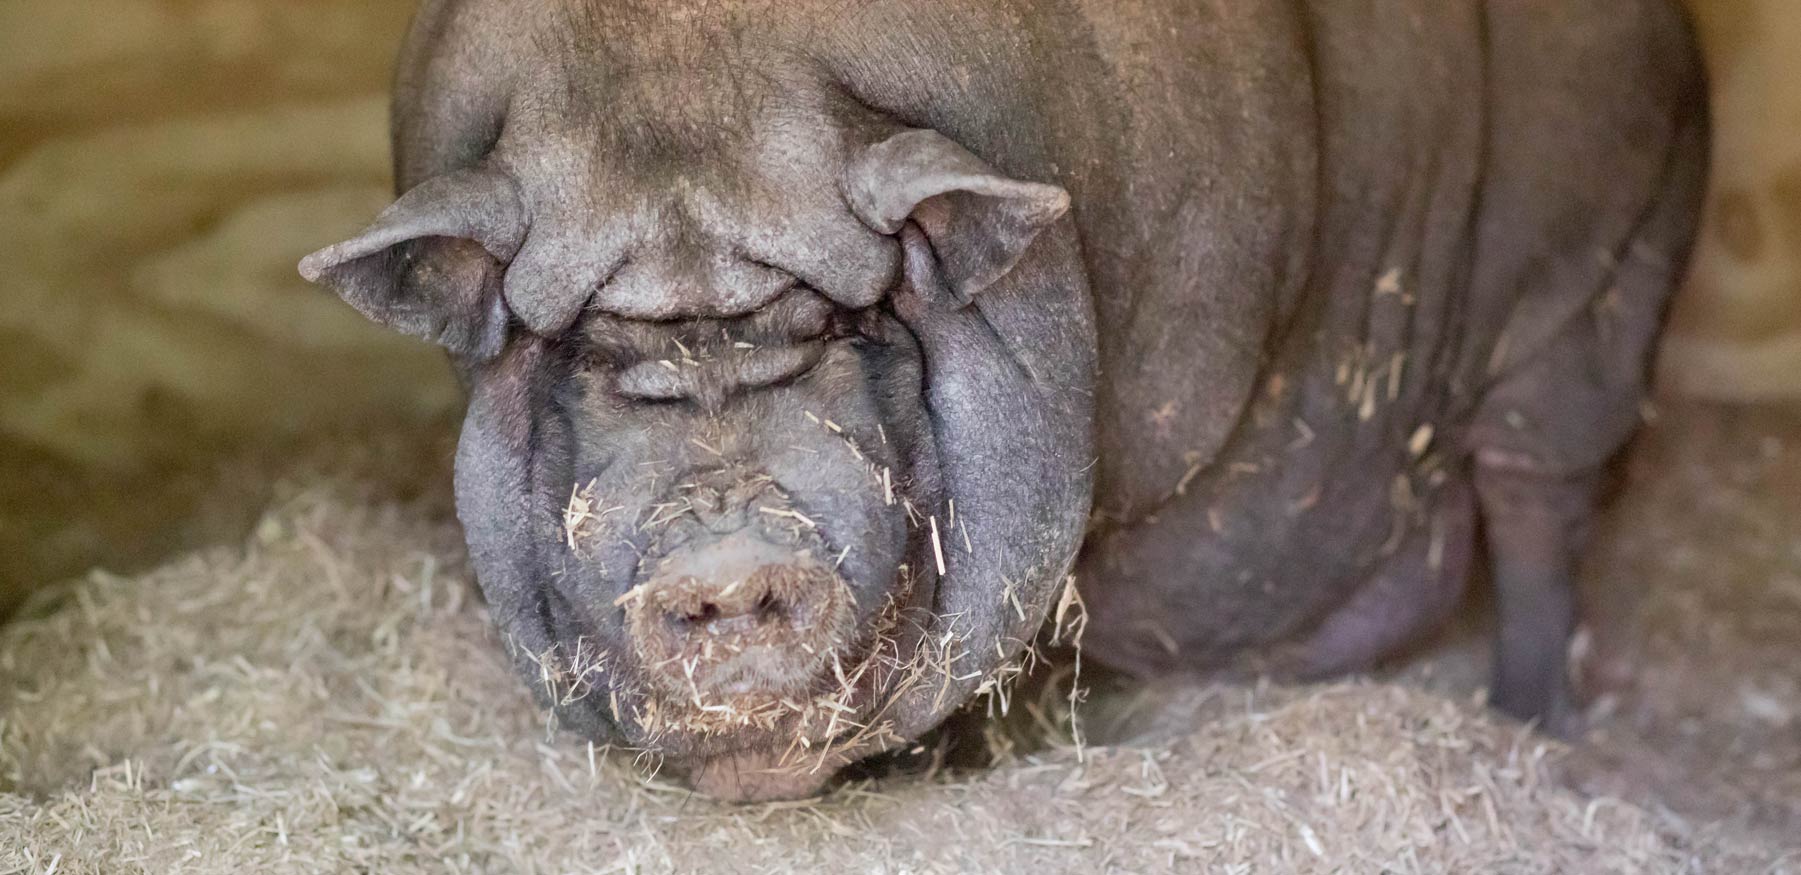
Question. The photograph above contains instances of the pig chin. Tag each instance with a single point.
(758, 718)
(758, 776)
(755, 744)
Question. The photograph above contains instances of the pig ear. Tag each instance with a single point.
(978, 221)
(431, 265)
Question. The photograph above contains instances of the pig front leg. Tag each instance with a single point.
(1570, 370)
(1537, 525)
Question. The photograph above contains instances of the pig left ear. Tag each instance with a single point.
(978, 221)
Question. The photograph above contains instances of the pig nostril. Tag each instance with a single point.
(768, 608)
(759, 621)
(766, 603)
(708, 613)
(714, 618)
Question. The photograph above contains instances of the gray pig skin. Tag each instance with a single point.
(1265, 319)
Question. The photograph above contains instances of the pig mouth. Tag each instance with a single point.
(757, 776)
(757, 746)
(738, 736)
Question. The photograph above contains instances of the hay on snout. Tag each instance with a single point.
(331, 699)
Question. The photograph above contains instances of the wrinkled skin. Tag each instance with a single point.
(812, 345)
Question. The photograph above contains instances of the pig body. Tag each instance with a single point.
(1250, 315)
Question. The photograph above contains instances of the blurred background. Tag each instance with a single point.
(163, 164)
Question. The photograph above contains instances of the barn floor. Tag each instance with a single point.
(1690, 658)
(327, 697)
(1697, 680)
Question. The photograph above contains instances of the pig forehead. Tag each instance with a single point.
(688, 231)
(693, 178)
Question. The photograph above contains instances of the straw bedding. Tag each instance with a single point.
(328, 698)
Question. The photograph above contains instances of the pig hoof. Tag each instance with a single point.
(1551, 711)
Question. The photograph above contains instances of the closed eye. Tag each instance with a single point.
(767, 365)
(661, 380)
(750, 367)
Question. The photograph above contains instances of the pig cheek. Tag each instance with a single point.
(855, 483)
(601, 495)
(900, 398)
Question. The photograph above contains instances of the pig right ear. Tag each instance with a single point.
(432, 263)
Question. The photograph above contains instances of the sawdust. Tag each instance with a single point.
(330, 698)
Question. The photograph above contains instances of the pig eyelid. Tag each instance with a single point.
(842, 324)
(619, 263)
(839, 323)
(642, 382)
(661, 380)
(762, 368)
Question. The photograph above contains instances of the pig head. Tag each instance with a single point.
(780, 420)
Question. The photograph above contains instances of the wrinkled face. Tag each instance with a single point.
(735, 503)
(778, 439)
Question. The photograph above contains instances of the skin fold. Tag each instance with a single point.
(1267, 321)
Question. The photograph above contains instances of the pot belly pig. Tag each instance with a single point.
(814, 346)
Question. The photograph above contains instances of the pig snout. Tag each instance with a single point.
(737, 615)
